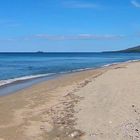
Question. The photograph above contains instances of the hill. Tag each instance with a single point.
(129, 50)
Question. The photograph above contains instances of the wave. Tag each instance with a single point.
(78, 70)
(10, 81)
(107, 65)
(129, 61)
(24, 78)
(30, 77)
(137, 60)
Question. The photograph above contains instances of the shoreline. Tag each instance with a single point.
(60, 108)
(18, 85)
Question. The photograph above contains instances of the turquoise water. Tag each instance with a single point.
(23, 66)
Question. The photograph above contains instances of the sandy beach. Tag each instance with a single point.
(100, 104)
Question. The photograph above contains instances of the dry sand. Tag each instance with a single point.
(102, 104)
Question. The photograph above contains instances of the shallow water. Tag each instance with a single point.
(26, 66)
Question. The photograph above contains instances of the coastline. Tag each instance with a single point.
(50, 110)
(11, 86)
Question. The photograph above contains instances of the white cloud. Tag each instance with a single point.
(78, 37)
(47, 37)
(78, 4)
(135, 3)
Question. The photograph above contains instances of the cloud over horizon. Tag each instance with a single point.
(77, 37)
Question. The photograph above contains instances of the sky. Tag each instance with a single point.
(69, 25)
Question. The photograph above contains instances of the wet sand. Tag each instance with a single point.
(102, 104)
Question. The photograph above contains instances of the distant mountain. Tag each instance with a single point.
(129, 50)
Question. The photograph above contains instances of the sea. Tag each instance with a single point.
(25, 67)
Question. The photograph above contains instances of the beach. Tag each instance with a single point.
(100, 104)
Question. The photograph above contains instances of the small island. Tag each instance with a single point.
(39, 52)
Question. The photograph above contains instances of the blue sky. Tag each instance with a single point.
(68, 25)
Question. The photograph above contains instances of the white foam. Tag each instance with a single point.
(107, 65)
(129, 61)
(9, 81)
(78, 70)
(133, 60)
